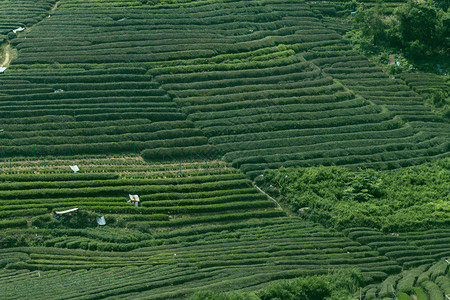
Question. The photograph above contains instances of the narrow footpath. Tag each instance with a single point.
(7, 56)
(285, 209)
(7, 52)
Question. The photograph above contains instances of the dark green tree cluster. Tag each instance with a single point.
(417, 29)
(414, 198)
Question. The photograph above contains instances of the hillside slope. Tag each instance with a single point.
(183, 103)
(266, 82)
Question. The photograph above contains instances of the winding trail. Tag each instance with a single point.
(55, 6)
(8, 51)
(7, 59)
(280, 207)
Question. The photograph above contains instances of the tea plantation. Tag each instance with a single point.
(271, 158)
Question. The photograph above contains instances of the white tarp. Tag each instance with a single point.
(101, 220)
(75, 168)
(2, 69)
(18, 29)
(62, 212)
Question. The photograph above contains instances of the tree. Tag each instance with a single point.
(444, 4)
(418, 27)
(371, 23)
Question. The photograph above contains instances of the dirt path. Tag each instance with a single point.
(9, 55)
(54, 7)
(274, 200)
(7, 59)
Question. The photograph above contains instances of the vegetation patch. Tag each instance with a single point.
(409, 199)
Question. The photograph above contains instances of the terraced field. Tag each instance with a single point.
(198, 224)
(183, 103)
(410, 249)
(171, 196)
(426, 83)
(425, 282)
(22, 13)
(267, 84)
(238, 258)
(93, 112)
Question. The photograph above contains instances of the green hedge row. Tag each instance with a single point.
(381, 126)
(203, 201)
(432, 289)
(145, 218)
(80, 57)
(389, 155)
(297, 76)
(283, 58)
(74, 77)
(15, 223)
(162, 150)
(89, 128)
(208, 219)
(98, 180)
(176, 153)
(236, 86)
(99, 113)
(60, 202)
(119, 114)
(24, 211)
(380, 161)
(298, 124)
(257, 103)
(330, 149)
(148, 101)
(86, 94)
(150, 139)
(281, 141)
(124, 190)
(218, 75)
(294, 115)
(191, 209)
(257, 95)
(57, 177)
(198, 195)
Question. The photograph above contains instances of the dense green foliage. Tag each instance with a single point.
(339, 285)
(417, 29)
(413, 198)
